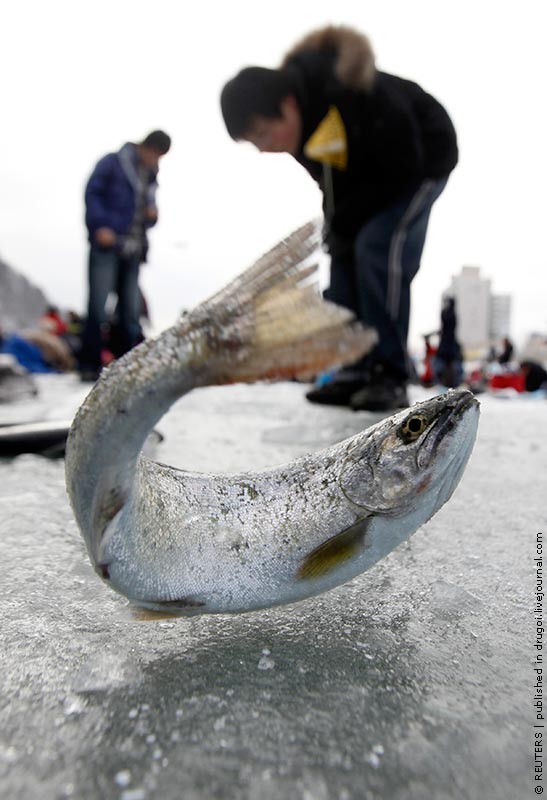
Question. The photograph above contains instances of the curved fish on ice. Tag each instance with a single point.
(187, 543)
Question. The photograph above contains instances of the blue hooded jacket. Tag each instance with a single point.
(111, 192)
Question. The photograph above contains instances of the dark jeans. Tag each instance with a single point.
(448, 372)
(110, 272)
(373, 277)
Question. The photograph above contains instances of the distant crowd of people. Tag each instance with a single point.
(54, 343)
(444, 365)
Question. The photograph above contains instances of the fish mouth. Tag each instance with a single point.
(462, 399)
(457, 404)
(455, 408)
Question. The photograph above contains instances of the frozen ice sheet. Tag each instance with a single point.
(411, 682)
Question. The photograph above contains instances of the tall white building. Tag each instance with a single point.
(483, 318)
(472, 296)
(500, 316)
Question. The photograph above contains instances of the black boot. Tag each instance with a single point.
(384, 392)
(341, 388)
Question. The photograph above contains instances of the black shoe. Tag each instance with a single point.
(380, 395)
(89, 375)
(335, 392)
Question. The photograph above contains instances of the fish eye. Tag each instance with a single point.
(412, 428)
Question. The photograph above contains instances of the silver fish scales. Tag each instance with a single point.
(186, 543)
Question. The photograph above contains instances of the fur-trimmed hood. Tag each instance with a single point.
(354, 60)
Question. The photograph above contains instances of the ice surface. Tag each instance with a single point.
(412, 681)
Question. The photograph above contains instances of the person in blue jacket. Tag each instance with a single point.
(120, 201)
(381, 150)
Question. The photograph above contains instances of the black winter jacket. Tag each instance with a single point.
(397, 134)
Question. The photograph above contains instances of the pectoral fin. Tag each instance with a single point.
(165, 609)
(141, 614)
(335, 551)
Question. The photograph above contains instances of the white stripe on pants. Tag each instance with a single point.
(395, 266)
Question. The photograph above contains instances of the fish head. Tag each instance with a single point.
(413, 460)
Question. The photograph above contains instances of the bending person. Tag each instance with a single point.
(381, 150)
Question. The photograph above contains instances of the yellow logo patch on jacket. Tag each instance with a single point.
(328, 143)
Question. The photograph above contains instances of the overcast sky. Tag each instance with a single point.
(80, 79)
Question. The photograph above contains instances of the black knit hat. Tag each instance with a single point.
(158, 141)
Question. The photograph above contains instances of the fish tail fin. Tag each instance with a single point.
(277, 325)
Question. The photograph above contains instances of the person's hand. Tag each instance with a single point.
(105, 237)
(151, 214)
